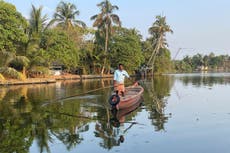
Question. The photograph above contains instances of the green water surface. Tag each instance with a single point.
(182, 113)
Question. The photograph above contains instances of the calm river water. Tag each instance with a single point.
(182, 113)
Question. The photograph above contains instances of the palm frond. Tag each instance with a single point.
(65, 15)
(6, 57)
(76, 13)
(50, 23)
(115, 7)
(23, 60)
(9, 72)
(106, 16)
(116, 19)
(94, 17)
(37, 21)
(81, 23)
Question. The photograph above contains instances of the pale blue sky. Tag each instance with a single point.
(203, 25)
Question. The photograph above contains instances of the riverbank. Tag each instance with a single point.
(51, 79)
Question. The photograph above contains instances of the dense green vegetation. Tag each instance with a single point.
(158, 42)
(32, 46)
(200, 62)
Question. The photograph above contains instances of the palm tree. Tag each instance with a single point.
(158, 32)
(38, 23)
(104, 21)
(65, 15)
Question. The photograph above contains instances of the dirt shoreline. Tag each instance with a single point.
(51, 79)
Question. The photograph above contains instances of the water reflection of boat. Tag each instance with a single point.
(123, 112)
(131, 97)
(118, 120)
(118, 116)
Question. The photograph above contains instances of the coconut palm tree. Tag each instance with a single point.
(66, 14)
(38, 23)
(158, 32)
(104, 21)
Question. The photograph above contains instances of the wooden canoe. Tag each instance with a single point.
(123, 112)
(131, 97)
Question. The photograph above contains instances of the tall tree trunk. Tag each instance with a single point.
(103, 67)
(152, 69)
(106, 48)
(108, 72)
(155, 52)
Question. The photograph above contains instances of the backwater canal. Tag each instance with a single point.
(179, 113)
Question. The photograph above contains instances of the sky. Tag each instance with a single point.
(199, 26)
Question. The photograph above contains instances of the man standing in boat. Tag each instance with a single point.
(119, 79)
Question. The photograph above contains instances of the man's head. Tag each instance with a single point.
(120, 67)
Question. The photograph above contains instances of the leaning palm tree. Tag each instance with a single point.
(104, 21)
(158, 32)
(66, 14)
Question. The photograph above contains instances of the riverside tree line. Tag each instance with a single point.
(33, 45)
(29, 47)
(200, 62)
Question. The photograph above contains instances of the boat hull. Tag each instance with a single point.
(132, 97)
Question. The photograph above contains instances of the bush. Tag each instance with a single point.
(38, 71)
(9, 72)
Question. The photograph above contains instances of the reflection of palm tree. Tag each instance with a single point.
(43, 137)
(158, 117)
(108, 135)
(157, 90)
(69, 139)
(26, 127)
(18, 135)
(68, 123)
(72, 136)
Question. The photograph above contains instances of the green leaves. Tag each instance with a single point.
(12, 27)
(158, 32)
(37, 21)
(126, 48)
(68, 44)
(66, 14)
(9, 72)
(59, 48)
(200, 62)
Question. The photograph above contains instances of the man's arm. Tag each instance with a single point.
(126, 74)
(135, 83)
